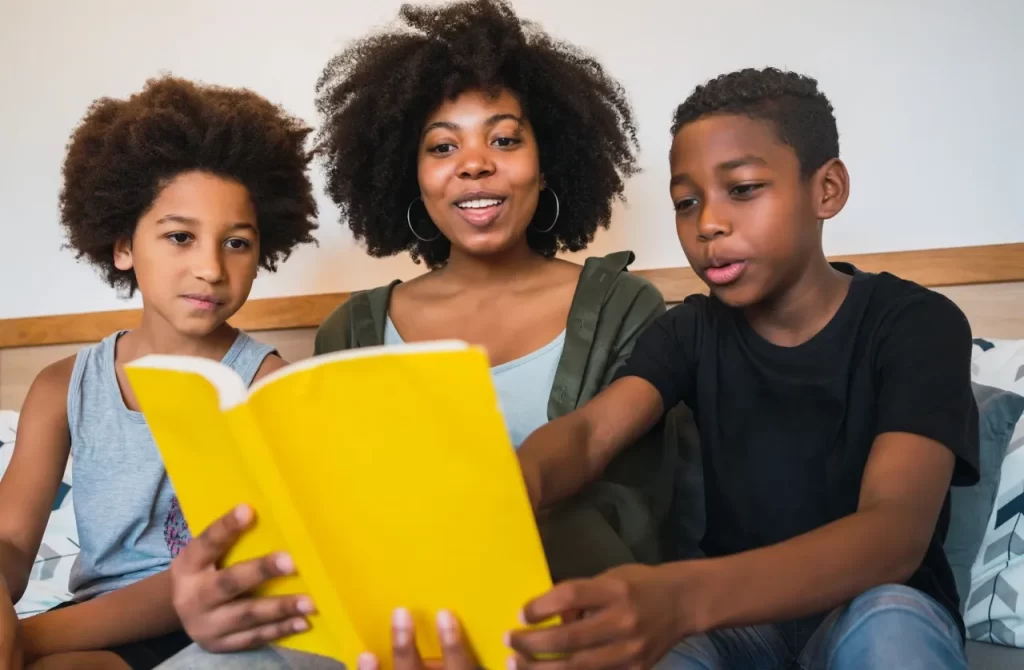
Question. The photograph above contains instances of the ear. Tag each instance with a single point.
(832, 189)
(123, 255)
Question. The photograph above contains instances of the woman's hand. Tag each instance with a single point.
(456, 654)
(214, 605)
(10, 631)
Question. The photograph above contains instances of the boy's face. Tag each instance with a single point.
(747, 221)
(195, 252)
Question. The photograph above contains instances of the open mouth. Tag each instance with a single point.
(725, 272)
(480, 209)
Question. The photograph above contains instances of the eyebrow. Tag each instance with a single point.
(189, 221)
(742, 161)
(491, 121)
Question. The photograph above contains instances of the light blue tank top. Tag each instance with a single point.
(129, 522)
(523, 385)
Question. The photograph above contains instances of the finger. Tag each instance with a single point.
(228, 584)
(613, 656)
(457, 655)
(367, 661)
(403, 642)
(214, 542)
(585, 633)
(250, 613)
(577, 594)
(258, 637)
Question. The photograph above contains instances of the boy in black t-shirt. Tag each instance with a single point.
(834, 407)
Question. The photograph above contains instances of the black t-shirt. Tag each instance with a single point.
(786, 431)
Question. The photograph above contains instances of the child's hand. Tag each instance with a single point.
(214, 605)
(10, 631)
(405, 656)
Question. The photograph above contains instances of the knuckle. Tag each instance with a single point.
(629, 621)
(225, 583)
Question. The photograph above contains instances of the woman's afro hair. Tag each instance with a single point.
(125, 151)
(375, 96)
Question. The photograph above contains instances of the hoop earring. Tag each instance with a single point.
(408, 219)
(557, 211)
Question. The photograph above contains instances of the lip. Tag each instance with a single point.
(724, 271)
(482, 216)
(203, 301)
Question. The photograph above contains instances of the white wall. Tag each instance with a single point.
(928, 98)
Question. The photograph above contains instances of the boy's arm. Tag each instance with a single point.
(562, 456)
(30, 484)
(10, 632)
(136, 612)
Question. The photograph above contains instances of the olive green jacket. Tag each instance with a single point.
(617, 519)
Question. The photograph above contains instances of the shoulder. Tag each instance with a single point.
(271, 363)
(619, 287)
(48, 394)
(335, 332)
(907, 309)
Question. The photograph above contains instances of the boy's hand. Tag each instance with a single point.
(632, 617)
(10, 631)
(213, 604)
(405, 656)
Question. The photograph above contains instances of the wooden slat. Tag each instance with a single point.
(960, 266)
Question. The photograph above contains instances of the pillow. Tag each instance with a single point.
(994, 608)
(48, 581)
(970, 508)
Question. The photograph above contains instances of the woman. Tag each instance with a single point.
(481, 146)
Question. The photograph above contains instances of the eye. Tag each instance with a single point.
(685, 203)
(442, 148)
(745, 190)
(179, 238)
(506, 142)
(237, 243)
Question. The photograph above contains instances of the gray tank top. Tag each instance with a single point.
(129, 522)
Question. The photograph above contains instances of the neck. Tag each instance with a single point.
(495, 269)
(803, 307)
(156, 336)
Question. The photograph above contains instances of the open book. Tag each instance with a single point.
(386, 472)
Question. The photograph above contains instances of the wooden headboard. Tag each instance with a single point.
(987, 282)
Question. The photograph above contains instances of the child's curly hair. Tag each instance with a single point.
(125, 151)
(375, 96)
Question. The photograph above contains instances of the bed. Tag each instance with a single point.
(987, 282)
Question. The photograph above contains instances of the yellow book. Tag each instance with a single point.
(387, 473)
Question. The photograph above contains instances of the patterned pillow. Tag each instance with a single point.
(48, 582)
(994, 611)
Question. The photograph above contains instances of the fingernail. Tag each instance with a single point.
(300, 625)
(507, 639)
(522, 617)
(366, 661)
(305, 606)
(511, 664)
(401, 622)
(242, 514)
(446, 625)
(285, 564)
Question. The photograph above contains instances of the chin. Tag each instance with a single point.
(737, 295)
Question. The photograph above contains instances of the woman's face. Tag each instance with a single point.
(479, 173)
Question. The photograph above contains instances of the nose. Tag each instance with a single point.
(712, 224)
(476, 163)
(208, 264)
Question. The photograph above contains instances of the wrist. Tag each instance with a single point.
(697, 591)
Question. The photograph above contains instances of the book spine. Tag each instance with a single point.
(331, 632)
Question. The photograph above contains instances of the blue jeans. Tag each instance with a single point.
(889, 626)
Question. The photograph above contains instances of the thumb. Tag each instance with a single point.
(216, 540)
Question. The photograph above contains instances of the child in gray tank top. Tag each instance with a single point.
(181, 192)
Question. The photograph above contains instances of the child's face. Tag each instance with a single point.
(195, 253)
(744, 215)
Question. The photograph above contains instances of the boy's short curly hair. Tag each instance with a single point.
(125, 151)
(801, 114)
(375, 96)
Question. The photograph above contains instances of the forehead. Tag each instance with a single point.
(205, 197)
(475, 108)
(721, 138)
